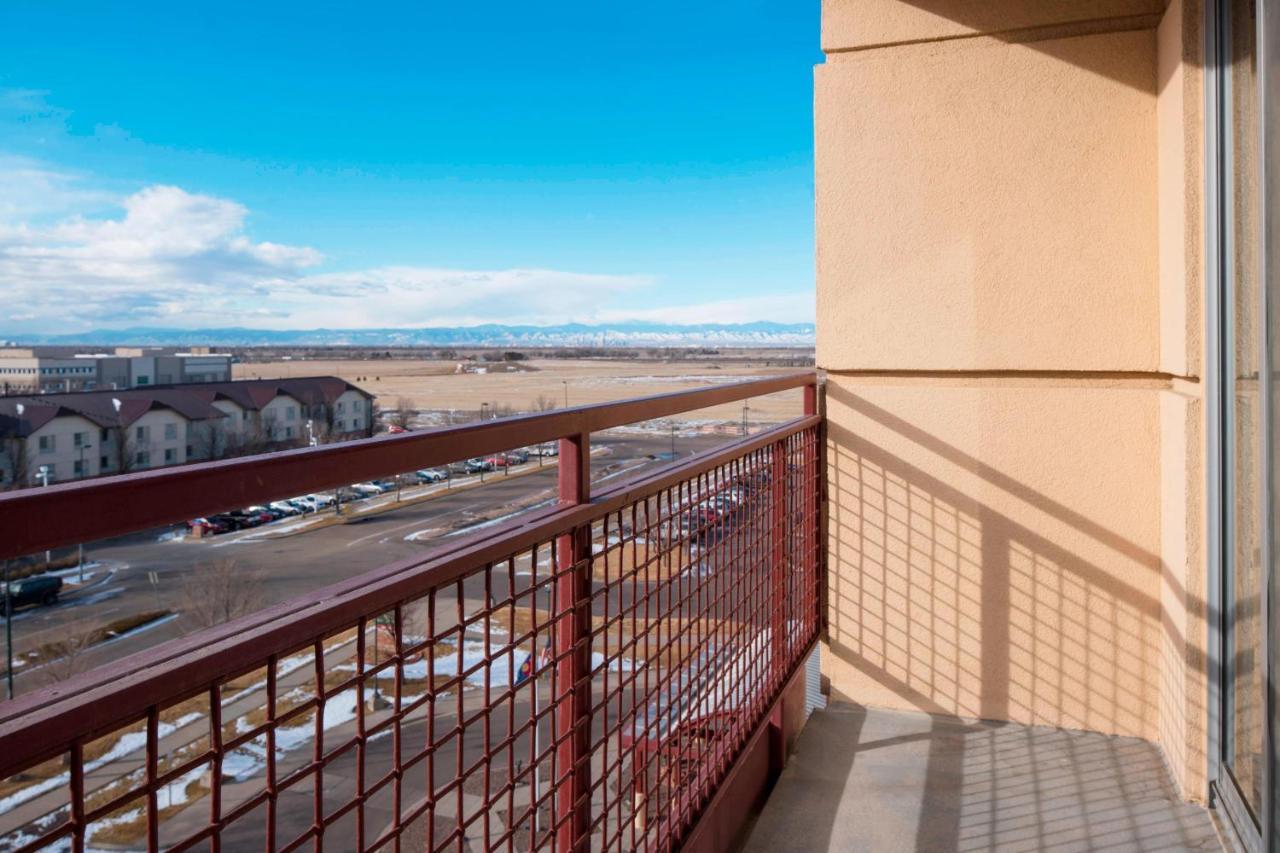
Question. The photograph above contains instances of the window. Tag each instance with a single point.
(170, 455)
(290, 413)
(81, 439)
(342, 425)
(48, 443)
(341, 406)
(170, 432)
(190, 450)
(356, 405)
(142, 433)
(78, 468)
(104, 463)
(143, 459)
(144, 380)
(102, 436)
(288, 432)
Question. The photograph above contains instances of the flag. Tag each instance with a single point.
(525, 670)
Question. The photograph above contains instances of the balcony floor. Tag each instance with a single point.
(863, 779)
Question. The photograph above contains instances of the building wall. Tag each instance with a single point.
(61, 433)
(283, 420)
(1007, 304)
(168, 437)
(351, 413)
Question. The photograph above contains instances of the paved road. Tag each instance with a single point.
(294, 565)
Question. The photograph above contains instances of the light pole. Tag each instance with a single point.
(43, 473)
(565, 383)
(745, 408)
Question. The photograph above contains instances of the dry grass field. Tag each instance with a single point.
(438, 386)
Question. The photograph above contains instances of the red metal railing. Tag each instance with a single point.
(593, 675)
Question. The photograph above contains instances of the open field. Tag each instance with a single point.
(438, 386)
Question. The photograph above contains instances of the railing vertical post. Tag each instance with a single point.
(778, 530)
(573, 666)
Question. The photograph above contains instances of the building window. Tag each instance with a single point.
(104, 463)
(288, 432)
(81, 439)
(356, 405)
(78, 467)
(170, 432)
(144, 380)
(342, 425)
(103, 435)
(48, 443)
(141, 433)
(290, 413)
(143, 459)
(170, 455)
(341, 406)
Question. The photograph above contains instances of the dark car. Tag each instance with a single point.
(41, 589)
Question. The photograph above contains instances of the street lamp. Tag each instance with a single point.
(565, 383)
(745, 426)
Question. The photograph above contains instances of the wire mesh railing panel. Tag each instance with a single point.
(583, 680)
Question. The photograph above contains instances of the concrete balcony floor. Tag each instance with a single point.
(871, 780)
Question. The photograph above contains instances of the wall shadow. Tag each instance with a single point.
(995, 20)
(943, 603)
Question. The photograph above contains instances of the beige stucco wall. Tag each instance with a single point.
(1008, 310)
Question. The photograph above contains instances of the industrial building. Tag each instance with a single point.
(25, 370)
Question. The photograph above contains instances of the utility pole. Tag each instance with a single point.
(565, 382)
(745, 408)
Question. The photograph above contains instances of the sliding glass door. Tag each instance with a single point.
(1237, 204)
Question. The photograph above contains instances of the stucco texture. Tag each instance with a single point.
(989, 206)
(859, 24)
(995, 551)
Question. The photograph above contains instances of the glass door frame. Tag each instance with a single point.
(1254, 833)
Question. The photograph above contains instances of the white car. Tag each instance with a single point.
(321, 500)
(285, 507)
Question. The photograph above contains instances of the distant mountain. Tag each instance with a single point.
(760, 334)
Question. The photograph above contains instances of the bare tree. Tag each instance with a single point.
(125, 450)
(66, 657)
(209, 440)
(402, 415)
(544, 403)
(218, 592)
(15, 464)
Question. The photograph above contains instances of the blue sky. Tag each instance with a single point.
(290, 165)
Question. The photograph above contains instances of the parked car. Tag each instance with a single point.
(495, 462)
(384, 486)
(518, 457)
(40, 589)
(207, 526)
(285, 508)
(432, 475)
(460, 468)
(322, 501)
(304, 503)
(262, 513)
(475, 466)
(365, 490)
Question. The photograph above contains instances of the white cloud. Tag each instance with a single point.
(170, 257)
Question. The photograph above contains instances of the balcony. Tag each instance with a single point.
(623, 669)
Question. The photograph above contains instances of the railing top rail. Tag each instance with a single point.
(38, 519)
(93, 703)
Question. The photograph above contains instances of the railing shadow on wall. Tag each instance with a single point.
(958, 610)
